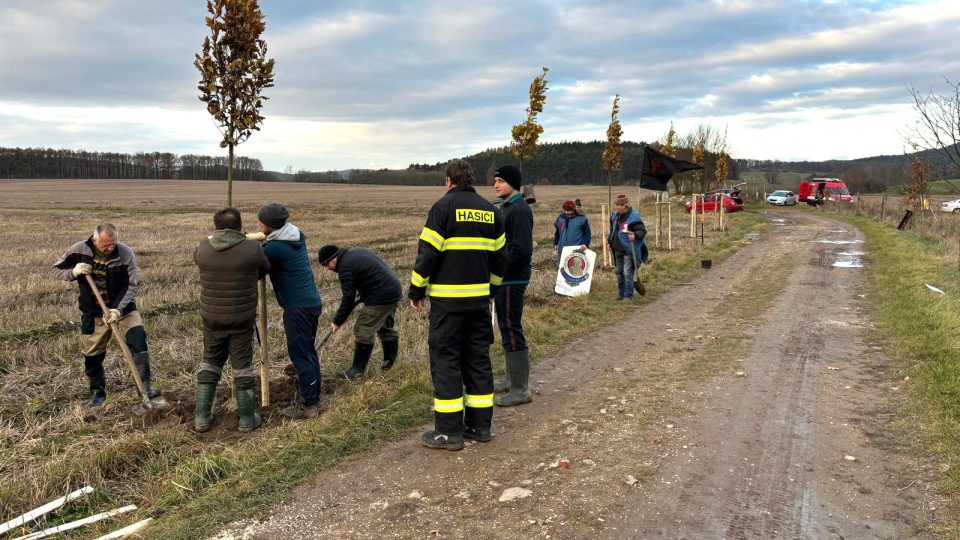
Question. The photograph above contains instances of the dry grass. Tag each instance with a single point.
(50, 444)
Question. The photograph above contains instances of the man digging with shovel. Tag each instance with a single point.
(626, 239)
(111, 267)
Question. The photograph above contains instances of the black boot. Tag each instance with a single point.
(361, 356)
(93, 367)
(142, 362)
(390, 351)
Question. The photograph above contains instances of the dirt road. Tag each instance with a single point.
(749, 403)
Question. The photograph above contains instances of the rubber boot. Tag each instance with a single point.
(247, 410)
(390, 351)
(93, 367)
(142, 363)
(361, 356)
(202, 417)
(502, 385)
(518, 363)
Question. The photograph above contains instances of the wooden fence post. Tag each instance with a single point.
(262, 327)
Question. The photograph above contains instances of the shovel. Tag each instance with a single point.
(324, 338)
(145, 402)
(637, 285)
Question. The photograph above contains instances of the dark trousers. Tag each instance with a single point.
(509, 306)
(460, 359)
(218, 346)
(300, 325)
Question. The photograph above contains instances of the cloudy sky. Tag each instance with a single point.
(387, 83)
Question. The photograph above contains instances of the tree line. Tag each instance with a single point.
(61, 164)
(572, 163)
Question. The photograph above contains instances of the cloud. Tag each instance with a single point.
(386, 84)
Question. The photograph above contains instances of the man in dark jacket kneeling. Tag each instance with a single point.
(230, 266)
(366, 277)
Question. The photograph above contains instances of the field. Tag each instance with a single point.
(52, 445)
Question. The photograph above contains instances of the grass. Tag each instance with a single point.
(193, 483)
(922, 333)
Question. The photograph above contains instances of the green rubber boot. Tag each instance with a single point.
(518, 366)
(247, 410)
(502, 385)
(203, 418)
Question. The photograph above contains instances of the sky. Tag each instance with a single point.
(373, 84)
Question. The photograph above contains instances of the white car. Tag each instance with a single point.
(951, 206)
(782, 198)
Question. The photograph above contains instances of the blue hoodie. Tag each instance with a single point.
(290, 272)
(572, 231)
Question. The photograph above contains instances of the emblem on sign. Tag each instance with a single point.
(574, 268)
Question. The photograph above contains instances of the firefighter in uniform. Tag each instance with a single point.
(460, 264)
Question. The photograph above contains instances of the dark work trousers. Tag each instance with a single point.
(509, 305)
(218, 346)
(460, 359)
(300, 325)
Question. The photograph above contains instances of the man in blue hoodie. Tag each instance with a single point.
(293, 283)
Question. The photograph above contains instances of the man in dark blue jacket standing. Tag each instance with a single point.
(366, 277)
(292, 278)
(518, 227)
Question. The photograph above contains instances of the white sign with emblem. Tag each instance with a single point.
(576, 271)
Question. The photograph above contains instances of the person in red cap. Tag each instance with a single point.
(572, 228)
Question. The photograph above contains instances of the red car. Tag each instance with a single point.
(709, 202)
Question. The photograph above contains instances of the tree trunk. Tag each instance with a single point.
(230, 177)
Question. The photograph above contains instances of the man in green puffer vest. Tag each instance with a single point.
(230, 266)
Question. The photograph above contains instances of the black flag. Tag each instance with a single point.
(659, 168)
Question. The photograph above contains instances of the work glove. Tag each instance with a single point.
(258, 236)
(81, 269)
(113, 316)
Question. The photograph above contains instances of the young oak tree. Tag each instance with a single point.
(613, 151)
(526, 134)
(234, 70)
(670, 149)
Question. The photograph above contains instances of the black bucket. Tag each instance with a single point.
(706, 263)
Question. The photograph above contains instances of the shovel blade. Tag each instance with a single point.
(641, 290)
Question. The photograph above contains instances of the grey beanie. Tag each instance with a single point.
(273, 215)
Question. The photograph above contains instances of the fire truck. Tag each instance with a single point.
(823, 189)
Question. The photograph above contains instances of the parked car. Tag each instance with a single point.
(951, 206)
(782, 198)
(710, 202)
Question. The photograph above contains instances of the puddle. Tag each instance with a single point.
(779, 222)
(838, 241)
(850, 259)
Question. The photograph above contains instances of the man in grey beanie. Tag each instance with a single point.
(292, 278)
